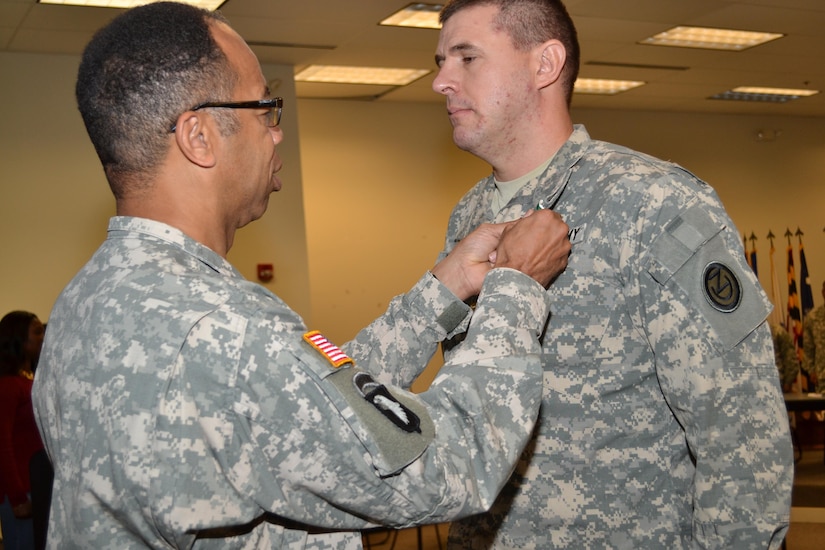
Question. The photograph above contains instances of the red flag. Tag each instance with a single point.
(776, 317)
(794, 315)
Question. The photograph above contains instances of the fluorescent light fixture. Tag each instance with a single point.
(708, 38)
(210, 5)
(420, 16)
(360, 75)
(755, 93)
(604, 86)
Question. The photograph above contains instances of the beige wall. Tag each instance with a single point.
(767, 186)
(393, 175)
(380, 180)
(366, 200)
(55, 203)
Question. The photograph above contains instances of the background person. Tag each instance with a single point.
(21, 338)
(787, 362)
(183, 406)
(813, 344)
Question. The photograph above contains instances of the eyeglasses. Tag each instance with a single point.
(275, 107)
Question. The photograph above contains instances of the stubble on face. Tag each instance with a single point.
(490, 83)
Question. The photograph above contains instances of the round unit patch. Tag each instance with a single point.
(722, 288)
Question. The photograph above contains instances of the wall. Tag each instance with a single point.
(366, 199)
(768, 185)
(55, 203)
(381, 179)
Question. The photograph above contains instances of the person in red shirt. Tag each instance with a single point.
(21, 337)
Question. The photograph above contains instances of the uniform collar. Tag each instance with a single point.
(545, 189)
(161, 231)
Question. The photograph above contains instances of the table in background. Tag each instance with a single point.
(804, 402)
(799, 402)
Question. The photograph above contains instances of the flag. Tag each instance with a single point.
(752, 255)
(805, 292)
(794, 317)
(776, 317)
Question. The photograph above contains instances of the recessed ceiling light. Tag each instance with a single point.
(708, 38)
(360, 75)
(210, 5)
(604, 86)
(755, 93)
(420, 16)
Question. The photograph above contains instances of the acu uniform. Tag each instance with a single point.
(662, 423)
(813, 344)
(182, 408)
(784, 351)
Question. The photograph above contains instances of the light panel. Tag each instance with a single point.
(710, 38)
(604, 86)
(360, 75)
(419, 16)
(775, 91)
(210, 5)
(757, 93)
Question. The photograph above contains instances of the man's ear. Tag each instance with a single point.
(551, 63)
(195, 137)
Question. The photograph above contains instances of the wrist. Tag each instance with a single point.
(450, 279)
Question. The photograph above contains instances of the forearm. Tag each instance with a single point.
(485, 400)
(474, 420)
(397, 346)
(735, 422)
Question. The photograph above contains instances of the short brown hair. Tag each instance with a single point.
(531, 22)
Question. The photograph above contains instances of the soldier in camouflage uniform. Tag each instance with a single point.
(813, 344)
(185, 407)
(662, 423)
(784, 352)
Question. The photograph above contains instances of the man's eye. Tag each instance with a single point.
(467, 59)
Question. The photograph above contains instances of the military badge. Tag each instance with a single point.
(721, 287)
(329, 350)
(383, 400)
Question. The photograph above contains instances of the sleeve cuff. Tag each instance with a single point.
(430, 299)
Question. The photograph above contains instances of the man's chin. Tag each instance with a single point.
(462, 142)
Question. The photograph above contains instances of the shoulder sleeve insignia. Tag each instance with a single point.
(722, 288)
(329, 350)
(386, 403)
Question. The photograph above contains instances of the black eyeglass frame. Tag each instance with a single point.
(275, 105)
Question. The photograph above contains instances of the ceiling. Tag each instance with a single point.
(336, 32)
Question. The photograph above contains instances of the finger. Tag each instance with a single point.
(497, 229)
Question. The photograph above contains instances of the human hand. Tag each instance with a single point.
(463, 270)
(537, 245)
(23, 511)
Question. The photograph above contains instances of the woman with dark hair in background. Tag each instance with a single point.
(21, 337)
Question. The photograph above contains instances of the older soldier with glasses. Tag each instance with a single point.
(185, 407)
